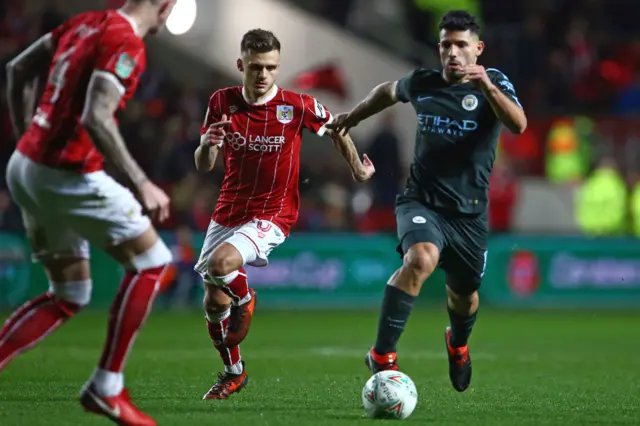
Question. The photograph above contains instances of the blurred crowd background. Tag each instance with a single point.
(574, 63)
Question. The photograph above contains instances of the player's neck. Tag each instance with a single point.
(132, 14)
(450, 80)
(252, 99)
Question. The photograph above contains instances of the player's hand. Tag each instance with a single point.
(154, 201)
(214, 136)
(342, 123)
(477, 75)
(367, 170)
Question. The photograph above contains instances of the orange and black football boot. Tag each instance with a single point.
(118, 409)
(459, 364)
(240, 321)
(227, 384)
(376, 362)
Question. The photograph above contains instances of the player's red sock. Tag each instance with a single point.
(31, 323)
(237, 287)
(217, 326)
(132, 305)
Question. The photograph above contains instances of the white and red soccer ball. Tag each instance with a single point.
(389, 395)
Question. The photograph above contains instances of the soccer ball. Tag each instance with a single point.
(389, 395)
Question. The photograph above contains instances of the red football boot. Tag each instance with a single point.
(118, 409)
(227, 384)
(459, 363)
(376, 362)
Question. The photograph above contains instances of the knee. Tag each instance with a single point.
(463, 299)
(219, 265)
(421, 260)
(215, 301)
(223, 261)
(72, 296)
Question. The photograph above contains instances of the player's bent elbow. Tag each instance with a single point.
(519, 127)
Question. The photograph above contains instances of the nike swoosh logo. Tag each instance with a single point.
(112, 412)
(424, 98)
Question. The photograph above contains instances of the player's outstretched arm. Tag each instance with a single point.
(102, 100)
(380, 98)
(21, 72)
(360, 170)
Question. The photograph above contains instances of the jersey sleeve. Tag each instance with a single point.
(213, 114)
(315, 116)
(404, 87)
(123, 61)
(503, 84)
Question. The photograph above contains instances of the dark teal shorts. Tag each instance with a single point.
(461, 241)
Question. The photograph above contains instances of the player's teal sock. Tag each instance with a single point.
(396, 308)
(461, 326)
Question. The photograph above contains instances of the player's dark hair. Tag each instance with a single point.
(459, 20)
(259, 41)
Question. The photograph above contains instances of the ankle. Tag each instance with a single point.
(107, 383)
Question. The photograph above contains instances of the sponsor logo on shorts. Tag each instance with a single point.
(419, 219)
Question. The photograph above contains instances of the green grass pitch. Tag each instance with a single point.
(306, 368)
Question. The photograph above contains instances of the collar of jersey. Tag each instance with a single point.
(268, 98)
(130, 20)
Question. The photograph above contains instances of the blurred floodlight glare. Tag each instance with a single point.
(182, 17)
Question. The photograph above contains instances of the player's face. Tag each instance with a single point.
(457, 50)
(163, 14)
(259, 71)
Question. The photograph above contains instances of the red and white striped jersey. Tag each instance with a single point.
(103, 41)
(262, 154)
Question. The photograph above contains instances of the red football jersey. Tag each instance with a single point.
(262, 154)
(104, 41)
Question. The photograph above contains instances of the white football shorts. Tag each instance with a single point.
(64, 212)
(254, 240)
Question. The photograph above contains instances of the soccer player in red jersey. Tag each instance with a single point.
(258, 129)
(95, 60)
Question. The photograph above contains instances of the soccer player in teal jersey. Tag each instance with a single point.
(442, 213)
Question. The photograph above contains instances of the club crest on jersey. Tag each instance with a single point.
(470, 102)
(284, 114)
(125, 65)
